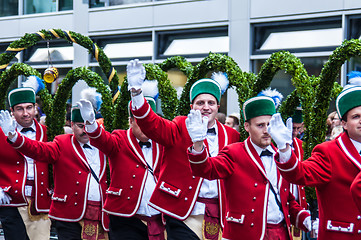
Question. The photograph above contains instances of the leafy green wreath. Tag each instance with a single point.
(31, 39)
(167, 94)
(55, 122)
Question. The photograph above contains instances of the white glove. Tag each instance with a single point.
(196, 126)
(7, 123)
(280, 133)
(86, 111)
(4, 197)
(307, 223)
(315, 225)
(135, 74)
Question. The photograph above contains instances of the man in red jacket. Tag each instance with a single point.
(79, 178)
(24, 184)
(331, 168)
(134, 162)
(186, 200)
(259, 202)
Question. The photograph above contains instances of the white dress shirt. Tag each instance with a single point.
(30, 161)
(144, 208)
(92, 156)
(209, 188)
(274, 215)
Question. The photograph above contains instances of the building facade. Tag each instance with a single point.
(249, 31)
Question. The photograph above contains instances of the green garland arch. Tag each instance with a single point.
(31, 39)
(17, 69)
(167, 94)
(56, 119)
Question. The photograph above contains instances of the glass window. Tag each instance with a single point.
(303, 39)
(56, 54)
(59, 50)
(126, 47)
(39, 6)
(322, 34)
(65, 5)
(197, 46)
(9, 7)
(119, 2)
(193, 42)
(130, 49)
(96, 3)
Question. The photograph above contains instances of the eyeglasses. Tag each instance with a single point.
(80, 125)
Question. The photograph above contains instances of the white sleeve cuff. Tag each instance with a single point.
(137, 101)
(193, 151)
(92, 127)
(14, 138)
(285, 156)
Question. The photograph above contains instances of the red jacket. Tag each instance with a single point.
(128, 169)
(247, 189)
(331, 168)
(356, 191)
(177, 189)
(71, 175)
(13, 172)
(298, 150)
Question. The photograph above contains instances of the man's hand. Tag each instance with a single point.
(86, 111)
(315, 225)
(4, 197)
(307, 223)
(135, 75)
(196, 126)
(7, 123)
(281, 134)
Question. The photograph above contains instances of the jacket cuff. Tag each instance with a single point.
(289, 165)
(301, 216)
(96, 133)
(197, 158)
(19, 141)
(143, 111)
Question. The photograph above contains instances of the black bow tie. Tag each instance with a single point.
(211, 131)
(145, 144)
(266, 152)
(27, 129)
(87, 146)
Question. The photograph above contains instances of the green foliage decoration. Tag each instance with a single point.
(30, 39)
(167, 94)
(18, 69)
(55, 121)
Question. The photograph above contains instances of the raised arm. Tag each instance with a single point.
(41, 151)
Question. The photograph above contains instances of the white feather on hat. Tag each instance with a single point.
(274, 94)
(222, 79)
(34, 82)
(150, 89)
(92, 96)
(354, 79)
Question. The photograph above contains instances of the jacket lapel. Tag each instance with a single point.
(349, 149)
(39, 132)
(79, 151)
(135, 146)
(254, 156)
(222, 136)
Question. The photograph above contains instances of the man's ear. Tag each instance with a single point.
(246, 126)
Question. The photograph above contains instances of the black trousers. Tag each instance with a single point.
(12, 223)
(127, 228)
(68, 230)
(178, 230)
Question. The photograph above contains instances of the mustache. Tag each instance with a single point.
(83, 134)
